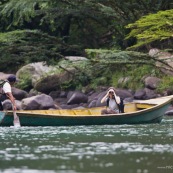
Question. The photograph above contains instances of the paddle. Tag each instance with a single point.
(16, 121)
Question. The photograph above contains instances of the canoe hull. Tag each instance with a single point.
(152, 115)
(2, 116)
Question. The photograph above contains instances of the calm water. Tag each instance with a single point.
(88, 149)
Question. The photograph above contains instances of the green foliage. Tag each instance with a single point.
(83, 24)
(118, 57)
(25, 46)
(165, 84)
(151, 28)
(20, 11)
(134, 76)
(25, 82)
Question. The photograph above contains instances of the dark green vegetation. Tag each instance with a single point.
(48, 30)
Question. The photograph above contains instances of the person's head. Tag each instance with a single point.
(12, 79)
(111, 93)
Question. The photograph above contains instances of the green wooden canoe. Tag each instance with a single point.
(150, 111)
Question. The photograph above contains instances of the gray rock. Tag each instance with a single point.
(34, 71)
(19, 94)
(100, 96)
(150, 94)
(63, 94)
(152, 82)
(54, 94)
(42, 101)
(128, 100)
(77, 98)
(8, 106)
(64, 106)
(53, 82)
(140, 94)
(123, 93)
(93, 96)
(92, 104)
(169, 113)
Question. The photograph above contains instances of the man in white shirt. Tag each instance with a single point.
(5, 91)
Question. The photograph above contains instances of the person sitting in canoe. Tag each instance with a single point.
(112, 102)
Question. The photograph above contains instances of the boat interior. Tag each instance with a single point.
(129, 107)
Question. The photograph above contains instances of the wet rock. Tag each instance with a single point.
(169, 113)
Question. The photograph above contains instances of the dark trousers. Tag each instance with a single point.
(1, 107)
(2, 98)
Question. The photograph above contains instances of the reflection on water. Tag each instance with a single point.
(91, 149)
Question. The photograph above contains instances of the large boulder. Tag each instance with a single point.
(145, 94)
(123, 93)
(92, 104)
(140, 94)
(77, 98)
(151, 82)
(93, 96)
(8, 106)
(42, 101)
(53, 82)
(150, 94)
(100, 96)
(54, 94)
(19, 94)
(34, 71)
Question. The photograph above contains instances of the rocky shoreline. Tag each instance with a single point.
(47, 87)
(61, 99)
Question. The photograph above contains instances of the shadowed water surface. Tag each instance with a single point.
(91, 149)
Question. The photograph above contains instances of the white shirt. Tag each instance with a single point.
(112, 104)
(6, 88)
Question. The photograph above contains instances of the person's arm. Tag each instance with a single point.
(117, 98)
(105, 98)
(10, 96)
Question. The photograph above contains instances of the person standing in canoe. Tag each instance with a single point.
(112, 101)
(5, 91)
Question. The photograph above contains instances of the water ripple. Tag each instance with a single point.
(125, 148)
